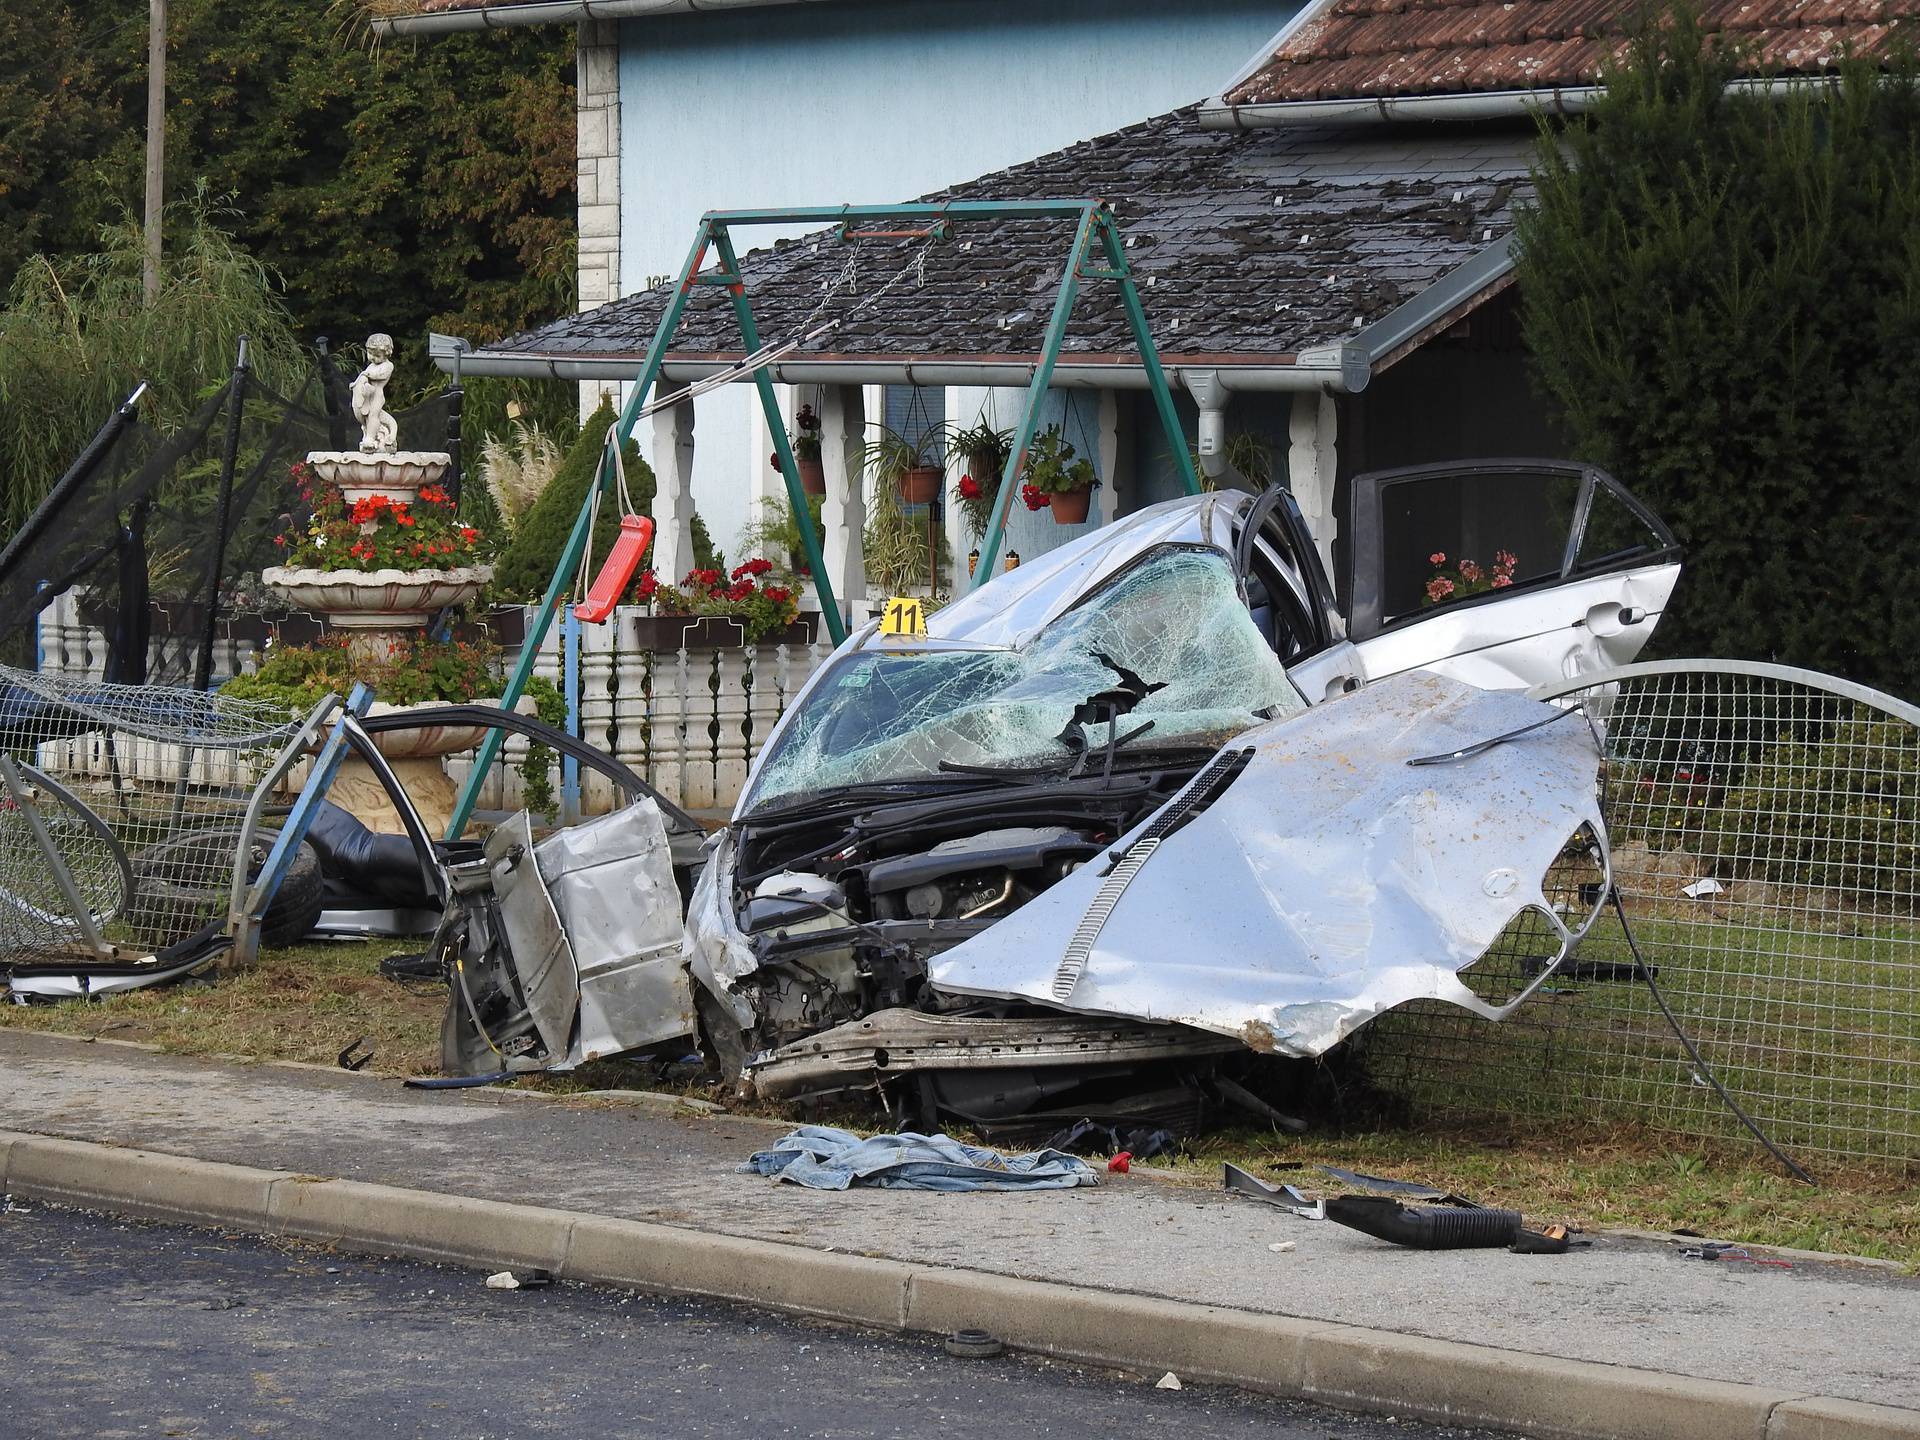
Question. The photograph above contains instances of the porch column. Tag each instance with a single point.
(673, 499)
(1111, 456)
(1312, 456)
(843, 515)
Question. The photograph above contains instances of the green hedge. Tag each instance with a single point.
(1721, 294)
(526, 569)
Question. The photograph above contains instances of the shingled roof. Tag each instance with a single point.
(1380, 49)
(1252, 249)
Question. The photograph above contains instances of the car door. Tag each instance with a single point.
(1503, 573)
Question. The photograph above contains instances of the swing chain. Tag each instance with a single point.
(848, 280)
(611, 447)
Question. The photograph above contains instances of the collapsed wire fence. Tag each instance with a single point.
(1765, 836)
(121, 817)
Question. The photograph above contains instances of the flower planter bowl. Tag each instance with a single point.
(398, 474)
(376, 599)
(669, 633)
(1070, 506)
(813, 476)
(429, 742)
(919, 484)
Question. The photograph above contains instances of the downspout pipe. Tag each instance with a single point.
(1212, 397)
(554, 12)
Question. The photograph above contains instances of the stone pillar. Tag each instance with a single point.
(1312, 456)
(597, 158)
(673, 499)
(843, 426)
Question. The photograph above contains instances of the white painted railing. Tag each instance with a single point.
(684, 701)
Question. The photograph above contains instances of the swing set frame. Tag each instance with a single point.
(1097, 253)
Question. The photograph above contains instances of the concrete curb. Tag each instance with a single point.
(1441, 1380)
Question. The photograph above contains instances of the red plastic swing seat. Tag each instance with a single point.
(636, 533)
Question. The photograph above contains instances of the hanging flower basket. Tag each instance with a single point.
(804, 438)
(1070, 506)
(1057, 478)
(919, 484)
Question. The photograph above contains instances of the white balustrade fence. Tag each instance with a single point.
(682, 700)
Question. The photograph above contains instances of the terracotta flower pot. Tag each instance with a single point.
(920, 484)
(1070, 506)
(813, 476)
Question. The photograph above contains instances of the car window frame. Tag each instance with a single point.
(1367, 544)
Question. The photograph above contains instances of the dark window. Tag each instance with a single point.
(1450, 536)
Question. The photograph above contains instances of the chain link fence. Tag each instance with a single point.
(1765, 834)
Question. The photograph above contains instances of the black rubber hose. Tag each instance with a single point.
(1426, 1227)
(456, 1082)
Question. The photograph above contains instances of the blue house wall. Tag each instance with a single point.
(875, 100)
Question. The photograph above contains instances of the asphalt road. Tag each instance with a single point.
(111, 1329)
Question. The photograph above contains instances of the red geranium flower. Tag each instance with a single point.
(969, 488)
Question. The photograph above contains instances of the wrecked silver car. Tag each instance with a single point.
(1126, 815)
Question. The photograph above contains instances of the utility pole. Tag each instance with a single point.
(156, 142)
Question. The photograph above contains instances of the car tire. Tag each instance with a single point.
(169, 908)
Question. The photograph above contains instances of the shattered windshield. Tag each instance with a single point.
(1168, 642)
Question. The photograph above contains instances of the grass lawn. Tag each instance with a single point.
(309, 1002)
(1813, 1021)
(304, 1003)
(1598, 1178)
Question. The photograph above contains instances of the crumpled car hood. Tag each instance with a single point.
(1325, 882)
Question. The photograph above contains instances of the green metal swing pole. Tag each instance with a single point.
(1036, 393)
(1149, 353)
(777, 426)
(576, 546)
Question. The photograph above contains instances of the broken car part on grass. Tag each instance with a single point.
(1124, 818)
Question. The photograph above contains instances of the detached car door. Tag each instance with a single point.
(1503, 573)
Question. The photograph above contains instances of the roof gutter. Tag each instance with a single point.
(1341, 369)
(555, 12)
(1218, 114)
(1411, 320)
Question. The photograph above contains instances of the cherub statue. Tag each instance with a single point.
(378, 431)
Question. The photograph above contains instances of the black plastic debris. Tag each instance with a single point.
(1426, 1227)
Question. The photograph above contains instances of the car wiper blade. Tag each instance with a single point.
(1114, 741)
